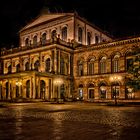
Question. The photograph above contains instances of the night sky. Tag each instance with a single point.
(120, 18)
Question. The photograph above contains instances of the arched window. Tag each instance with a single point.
(91, 67)
(27, 42)
(80, 34)
(36, 65)
(80, 68)
(27, 66)
(115, 63)
(88, 38)
(64, 33)
(62, 66)
(18, 68)
(28, 89)
(9, 69)
(43, 39)
(48, 65)
(96, 39)
(53, 34)
(102, 65)
(35, 41)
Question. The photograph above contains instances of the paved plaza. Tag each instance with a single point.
(69, 121)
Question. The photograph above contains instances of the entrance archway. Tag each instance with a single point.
(28, 89)
(91, 91)
(115, 90)
(42, 89)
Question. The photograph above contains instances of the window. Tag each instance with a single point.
(91, 67)
(64, 33)
(9, 69)
(96, 39)
(27, 43)
(27, 66)
(53, 35)
(129, 63)
(36, 65)
(18, 68)
(80, 34)
(88, 38)
(80, 68)
(102, 65)
(35, 41)
(43, 39)
(62, 66)
(115, 63)
(48, 65)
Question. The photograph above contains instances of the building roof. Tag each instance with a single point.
(44, 18)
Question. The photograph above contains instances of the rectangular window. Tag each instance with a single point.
(129, 63)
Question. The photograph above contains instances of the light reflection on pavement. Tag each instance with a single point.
(69, 122)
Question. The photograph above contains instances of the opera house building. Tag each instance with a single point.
(63, 56)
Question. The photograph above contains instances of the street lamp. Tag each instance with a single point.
(115, 79)
(58, 82)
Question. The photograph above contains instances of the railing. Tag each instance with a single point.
(5, 51)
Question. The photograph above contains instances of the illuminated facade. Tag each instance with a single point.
(64, 56)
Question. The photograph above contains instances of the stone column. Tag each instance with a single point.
(9, 89)
(39, 87)
(34, 87)
(31, 91)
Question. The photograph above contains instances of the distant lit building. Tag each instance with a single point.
(62, 55)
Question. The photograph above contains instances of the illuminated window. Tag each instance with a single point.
(115, 63)
(64, 33)
(102, 65)
(80, 34)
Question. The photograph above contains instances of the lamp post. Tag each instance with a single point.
(58, 82)
(115, 79)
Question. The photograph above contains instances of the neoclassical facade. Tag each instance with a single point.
(63, 56)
